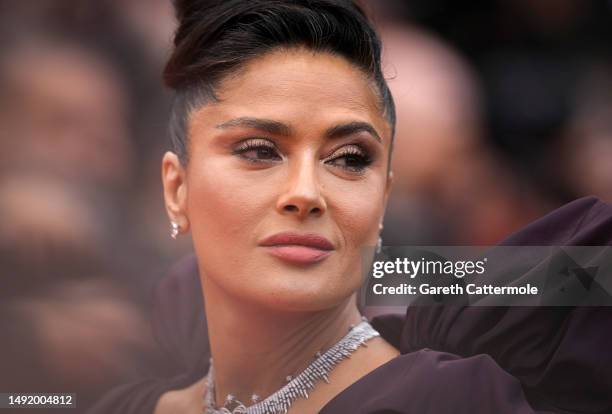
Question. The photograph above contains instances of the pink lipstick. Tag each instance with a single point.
(298, 248)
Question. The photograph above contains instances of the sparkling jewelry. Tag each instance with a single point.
(379, 243)
(175, 229)
(298, 386)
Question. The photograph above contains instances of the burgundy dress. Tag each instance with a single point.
(453, 359)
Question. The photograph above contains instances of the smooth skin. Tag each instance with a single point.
(296, 142)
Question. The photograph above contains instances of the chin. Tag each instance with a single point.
(309, 296)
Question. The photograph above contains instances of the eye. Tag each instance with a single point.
(352, 158)
(257, 150)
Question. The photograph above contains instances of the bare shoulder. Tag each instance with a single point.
(185, 400)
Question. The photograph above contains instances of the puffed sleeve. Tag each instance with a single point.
(181, 341)
(560, 356)
(433, 382)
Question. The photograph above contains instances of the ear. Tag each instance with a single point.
(175, 190)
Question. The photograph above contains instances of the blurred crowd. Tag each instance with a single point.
(504, 113)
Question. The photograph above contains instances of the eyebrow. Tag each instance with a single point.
(344, 130)
(279, 128)
(266, 125)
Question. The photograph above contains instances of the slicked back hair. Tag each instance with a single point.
(216, 38)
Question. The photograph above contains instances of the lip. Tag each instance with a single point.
(298, 248)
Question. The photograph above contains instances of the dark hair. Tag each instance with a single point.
(216, 37)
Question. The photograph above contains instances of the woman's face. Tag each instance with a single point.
(297, 143)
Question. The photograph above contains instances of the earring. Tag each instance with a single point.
(175, 230)
(379, 243)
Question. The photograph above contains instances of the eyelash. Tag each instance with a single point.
(255, 144)
(357, 154)
(354, 151)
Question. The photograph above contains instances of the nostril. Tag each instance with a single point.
(291, 208)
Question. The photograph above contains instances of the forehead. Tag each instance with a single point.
(298, 86)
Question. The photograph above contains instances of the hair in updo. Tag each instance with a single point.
(216, 37)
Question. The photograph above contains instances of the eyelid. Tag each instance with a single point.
(254, 142)
(251, 144)
(356, 150)
(350, 149)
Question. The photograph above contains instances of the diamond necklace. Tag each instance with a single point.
(280, 401)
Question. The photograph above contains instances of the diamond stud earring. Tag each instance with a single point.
(175, 230)
(379, 243)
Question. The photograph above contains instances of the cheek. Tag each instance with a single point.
(357, 214)
(223, 205)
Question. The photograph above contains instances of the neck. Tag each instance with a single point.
(255, 348)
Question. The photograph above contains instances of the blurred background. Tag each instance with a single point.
(504, 113)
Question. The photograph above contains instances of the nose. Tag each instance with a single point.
(301, 195)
